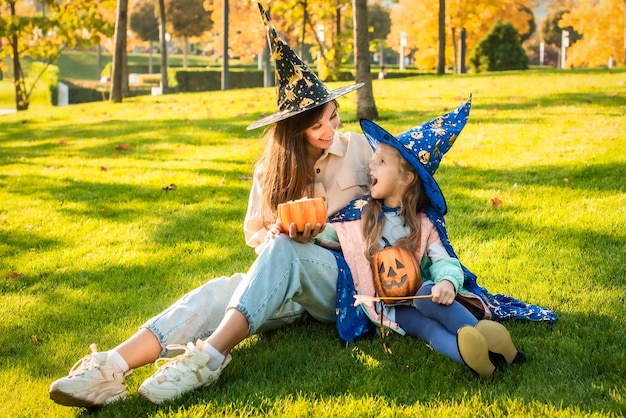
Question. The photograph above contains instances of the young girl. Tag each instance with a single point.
(402, 190)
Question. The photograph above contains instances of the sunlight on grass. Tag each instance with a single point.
(93, 243)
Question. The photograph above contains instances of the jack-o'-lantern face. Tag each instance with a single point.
(393, 274)
(396, 274)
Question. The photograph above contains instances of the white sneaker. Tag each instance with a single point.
(91, 382)
(181, 374)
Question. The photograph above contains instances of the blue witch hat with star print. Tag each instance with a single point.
(424, 146)
(298, 88)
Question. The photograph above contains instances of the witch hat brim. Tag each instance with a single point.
(298, 88)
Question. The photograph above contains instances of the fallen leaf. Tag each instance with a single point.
(170, 187)
(496, 203)
(222, 181)
(103, 168)
(63, 142)
(122, 147)
(457, 164)
(13, 275)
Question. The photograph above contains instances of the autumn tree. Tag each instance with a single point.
(366, 107)
(379, 24)
(246, 35)
(441, 37)
(144, 23)
(328, 28)
(188, 18)
(119, 73)
(44, 33)
(419, 19)
(601, 24)
(163, 41)
(551, 29)
(500, 50)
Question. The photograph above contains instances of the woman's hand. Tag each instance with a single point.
(443, 292)
(307, 235)
(273, 231)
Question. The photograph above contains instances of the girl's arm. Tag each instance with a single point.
(446, 272)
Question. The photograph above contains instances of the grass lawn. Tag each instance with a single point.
(91, 246)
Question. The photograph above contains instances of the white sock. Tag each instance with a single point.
(216, 358)
(116, 361)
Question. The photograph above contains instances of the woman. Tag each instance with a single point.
(304, 157)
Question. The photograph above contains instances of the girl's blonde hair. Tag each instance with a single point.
(412, 204)
(288, 172)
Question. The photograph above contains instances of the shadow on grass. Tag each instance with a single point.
(307, 363)
(582, 177)
(141, 136)
(537, 105)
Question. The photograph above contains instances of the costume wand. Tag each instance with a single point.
(368, 300)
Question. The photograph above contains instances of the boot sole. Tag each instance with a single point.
(474, 351)
(498, 339)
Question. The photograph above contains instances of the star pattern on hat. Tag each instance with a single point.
(298, 88)
(424, 146)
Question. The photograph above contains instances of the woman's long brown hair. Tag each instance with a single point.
(288, 172)
(412, 204)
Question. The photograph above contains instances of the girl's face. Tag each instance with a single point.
(319, 136)
(389, 183)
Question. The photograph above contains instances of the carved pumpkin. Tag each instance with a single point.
(396, 274)
(303, 211)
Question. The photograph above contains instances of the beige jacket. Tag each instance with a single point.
(341, 175)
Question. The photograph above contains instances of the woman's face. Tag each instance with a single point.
(320, 135)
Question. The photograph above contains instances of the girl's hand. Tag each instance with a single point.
(443, 292)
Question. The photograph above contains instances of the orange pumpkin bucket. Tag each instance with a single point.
(303, 211)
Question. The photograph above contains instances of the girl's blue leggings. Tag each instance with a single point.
(436, 324)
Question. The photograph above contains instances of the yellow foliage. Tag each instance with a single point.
(246, 33)
(602, 26)
(419, 19)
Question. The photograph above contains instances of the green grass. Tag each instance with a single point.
(91, 247)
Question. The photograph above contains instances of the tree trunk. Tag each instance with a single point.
(366, 107)
(441, 62)
(185, 52)
(162, 33)
(21, 97)
(151, 45)
(118, 72)
(303, 28)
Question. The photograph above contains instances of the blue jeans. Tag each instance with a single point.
(435, 323)
(287, 282)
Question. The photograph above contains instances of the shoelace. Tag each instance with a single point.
(172, 362)
(85, 363)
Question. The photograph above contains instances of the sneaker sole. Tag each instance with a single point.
(65, 399)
